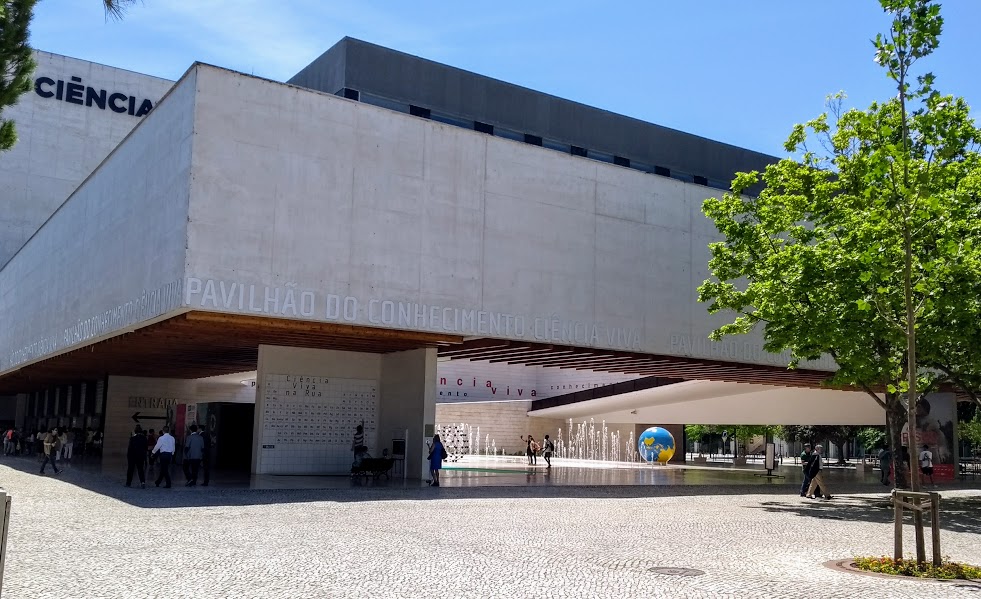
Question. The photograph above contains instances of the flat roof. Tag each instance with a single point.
(381, 75)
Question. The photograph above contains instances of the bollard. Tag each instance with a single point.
(5, 499)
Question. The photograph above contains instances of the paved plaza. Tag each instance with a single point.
(82, 534)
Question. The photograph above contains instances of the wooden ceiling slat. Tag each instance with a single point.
(201, 344)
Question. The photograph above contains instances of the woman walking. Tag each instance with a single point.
(437, 453)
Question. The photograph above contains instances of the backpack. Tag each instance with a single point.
(442, 453)
(549, 446)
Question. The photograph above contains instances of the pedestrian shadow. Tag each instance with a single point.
(957, 514)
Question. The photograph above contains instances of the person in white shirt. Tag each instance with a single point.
(165, 448)
(926, 463)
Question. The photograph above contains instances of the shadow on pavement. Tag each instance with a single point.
(531, 485)
(957, 514)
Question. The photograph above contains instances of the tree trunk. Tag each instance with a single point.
(842, 453)
(895, 418)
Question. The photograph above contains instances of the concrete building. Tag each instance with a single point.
(286, 260)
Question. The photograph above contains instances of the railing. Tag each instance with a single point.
(970, 466)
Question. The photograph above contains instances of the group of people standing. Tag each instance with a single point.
(546, 448)
(70, 441)
(146, 448)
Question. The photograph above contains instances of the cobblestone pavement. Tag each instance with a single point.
(82, 535)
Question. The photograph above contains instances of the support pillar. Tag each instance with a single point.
(408, 403)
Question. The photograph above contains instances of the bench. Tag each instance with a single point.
(373, 467)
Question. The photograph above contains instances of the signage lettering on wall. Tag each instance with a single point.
(74, 92)
(290, 301)
(152, 403)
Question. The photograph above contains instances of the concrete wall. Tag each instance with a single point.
(465, 380)
(113, 255)
(61, 142)
(421, 226)
(149, 397)
(503, 423)
(408, 394)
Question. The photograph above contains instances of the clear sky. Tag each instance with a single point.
(742, 72)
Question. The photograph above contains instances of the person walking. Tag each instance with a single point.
(136, 457)
(193, 453)
(904, 460)
(206, 456)
(151, 442)
(165, 450)
(926, 463)
(817, 478)
(806, 457)
(69, 441)
(358, 446)
(63, 438)
(8, 441)
(885, 458)
(51, 446)
(437, 453)
(547, 449)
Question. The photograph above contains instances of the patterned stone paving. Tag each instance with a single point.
(84, 535)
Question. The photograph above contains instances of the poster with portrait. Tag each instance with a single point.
(935, 417)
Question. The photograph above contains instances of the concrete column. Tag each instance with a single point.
(408, 402)
(20, 416)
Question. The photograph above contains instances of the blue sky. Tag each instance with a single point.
(740, 72)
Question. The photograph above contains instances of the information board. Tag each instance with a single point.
(308, 422)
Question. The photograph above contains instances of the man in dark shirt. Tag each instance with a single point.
(805, 464)
(136, 457)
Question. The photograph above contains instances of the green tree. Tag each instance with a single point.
(16, 61)
(838, 435)
(864, 245)
(871, 437)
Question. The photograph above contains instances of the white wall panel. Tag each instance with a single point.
(61, 142)
(336, 198)
(113, 254)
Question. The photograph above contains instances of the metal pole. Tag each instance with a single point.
(897, 551)
(935, 526)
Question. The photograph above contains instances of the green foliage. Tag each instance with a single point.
(872, 437)
(16, 61)
(741, 432)
(698, 432)
(869, 235)
(947, 570)
(970, 431)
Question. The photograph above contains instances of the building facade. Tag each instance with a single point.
(355, 246)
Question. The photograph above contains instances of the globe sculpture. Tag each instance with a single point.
(656, 444)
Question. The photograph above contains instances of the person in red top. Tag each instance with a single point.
(151, 441)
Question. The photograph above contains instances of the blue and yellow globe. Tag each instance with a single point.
(656, 445)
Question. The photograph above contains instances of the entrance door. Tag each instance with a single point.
(230, 425)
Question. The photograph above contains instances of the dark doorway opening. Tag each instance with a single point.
(230, 427)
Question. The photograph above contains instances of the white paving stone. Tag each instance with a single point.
(80, 535)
